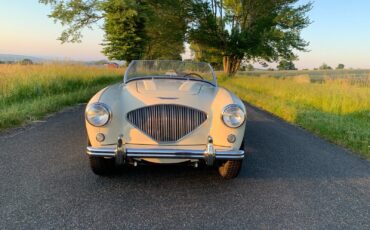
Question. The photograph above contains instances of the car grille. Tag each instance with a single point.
(166, 123)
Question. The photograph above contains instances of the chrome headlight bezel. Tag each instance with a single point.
(233, 109)
(101, 107)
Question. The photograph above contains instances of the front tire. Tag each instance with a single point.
(230, 169)
(101, 165)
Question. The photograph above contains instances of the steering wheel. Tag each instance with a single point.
(193, 74)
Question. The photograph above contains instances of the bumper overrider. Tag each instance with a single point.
(121, 153)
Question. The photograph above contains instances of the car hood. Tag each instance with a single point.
(142, 93)
(123, 98)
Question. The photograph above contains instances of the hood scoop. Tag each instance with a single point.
(172, 87)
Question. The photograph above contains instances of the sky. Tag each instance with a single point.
(339, 33)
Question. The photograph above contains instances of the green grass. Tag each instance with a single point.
(336, 109)
(30, 92)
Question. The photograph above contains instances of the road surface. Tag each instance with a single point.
(290, 180)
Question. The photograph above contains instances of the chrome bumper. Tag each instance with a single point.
(210, 154)
(166, 153)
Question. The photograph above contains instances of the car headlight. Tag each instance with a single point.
(233, 116)
(98, 114)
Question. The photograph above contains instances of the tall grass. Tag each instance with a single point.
(336, 109)
(28, 92)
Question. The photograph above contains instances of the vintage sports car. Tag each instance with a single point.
(166, 112)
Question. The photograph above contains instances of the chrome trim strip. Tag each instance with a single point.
(166, 153)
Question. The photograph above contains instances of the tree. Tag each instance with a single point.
(207, 54)
(340, 66)
(26, 61)
(231, 30)
(252, 30)
(76, 14)
(324, 66)
(125, 36)
(166, 28)
(146, 29)
(286, 65)
(250, 67)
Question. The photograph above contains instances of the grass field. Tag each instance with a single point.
(313, 74)
(28, 92)
(336, 108)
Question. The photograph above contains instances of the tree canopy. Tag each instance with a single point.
(124, 26)
(325, 66)
(146, 29)
(254, 30)
(340, 66)
(286, 65)
(26, 61)
(250, 67)
(223, 32)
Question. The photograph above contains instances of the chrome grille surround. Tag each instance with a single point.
(166, 122)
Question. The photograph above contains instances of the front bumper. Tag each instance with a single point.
(166, 153)
(209, 155)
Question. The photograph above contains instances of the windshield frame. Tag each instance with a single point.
(213, 82)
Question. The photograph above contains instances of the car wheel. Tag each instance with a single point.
(230, 169)
(101, 165)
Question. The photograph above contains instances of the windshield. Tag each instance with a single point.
(198, 71)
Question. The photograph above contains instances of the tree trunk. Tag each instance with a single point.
(231, 64)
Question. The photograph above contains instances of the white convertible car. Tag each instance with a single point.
(166, 112)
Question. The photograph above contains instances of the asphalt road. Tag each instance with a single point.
(291, 179)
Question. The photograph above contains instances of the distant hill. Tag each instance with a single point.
(14, 57)
(35, 59)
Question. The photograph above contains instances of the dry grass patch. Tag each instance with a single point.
(28, 92)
